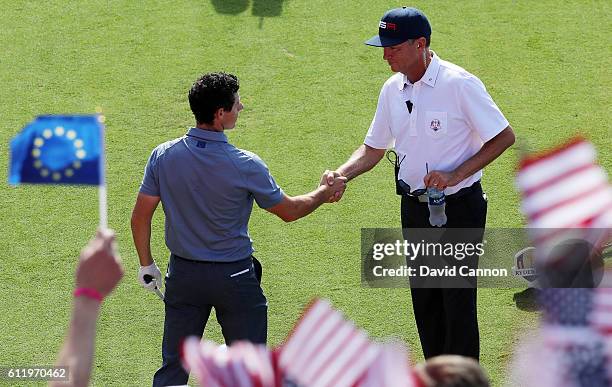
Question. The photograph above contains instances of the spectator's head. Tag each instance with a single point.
(451, 371)
(214, 96)
(572, 263)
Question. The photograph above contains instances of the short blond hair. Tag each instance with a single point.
(452, 371)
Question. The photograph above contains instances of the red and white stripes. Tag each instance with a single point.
(565, 191)
(241, 365)
(326, 350)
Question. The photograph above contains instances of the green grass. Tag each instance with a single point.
(309, 86)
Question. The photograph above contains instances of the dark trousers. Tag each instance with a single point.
(446, 318)
(192, 290)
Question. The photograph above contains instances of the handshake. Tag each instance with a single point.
(334, 185)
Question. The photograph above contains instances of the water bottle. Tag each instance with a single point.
(437, 207)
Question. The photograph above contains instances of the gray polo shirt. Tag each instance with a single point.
(207, 187)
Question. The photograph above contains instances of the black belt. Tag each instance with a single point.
(453, 197)
(211, 262)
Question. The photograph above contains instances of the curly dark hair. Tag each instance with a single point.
(211, 92)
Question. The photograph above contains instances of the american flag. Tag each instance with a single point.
(572, 347)
(564, 193)
(241, 365)
(575, 329)
(567, 198)
(325, 350)
(601, 317)
(390, 369)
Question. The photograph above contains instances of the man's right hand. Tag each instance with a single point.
(153, 271)
(332, 178)
(335, 184)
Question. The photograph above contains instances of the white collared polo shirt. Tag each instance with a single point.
(452, 116)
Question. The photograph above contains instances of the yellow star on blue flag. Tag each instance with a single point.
(58, 149)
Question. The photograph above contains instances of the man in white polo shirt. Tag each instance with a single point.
(437, 114)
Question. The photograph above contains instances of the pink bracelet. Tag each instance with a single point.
(89, 293)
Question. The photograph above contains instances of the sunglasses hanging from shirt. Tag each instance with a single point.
(401, 187)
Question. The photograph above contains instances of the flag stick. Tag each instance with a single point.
(103, 204)
(103, 207)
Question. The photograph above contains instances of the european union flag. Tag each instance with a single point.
(58, 149)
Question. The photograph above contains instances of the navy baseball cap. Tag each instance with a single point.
(400, 24)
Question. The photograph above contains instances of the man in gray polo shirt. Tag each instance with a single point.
(207, 187)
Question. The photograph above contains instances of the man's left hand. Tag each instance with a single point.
(440, 180)
(153, 271)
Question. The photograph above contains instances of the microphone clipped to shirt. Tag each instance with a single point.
(409, 106)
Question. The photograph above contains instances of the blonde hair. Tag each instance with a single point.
(452, 371)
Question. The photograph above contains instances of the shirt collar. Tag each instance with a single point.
(207, 135)
(430, 76)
